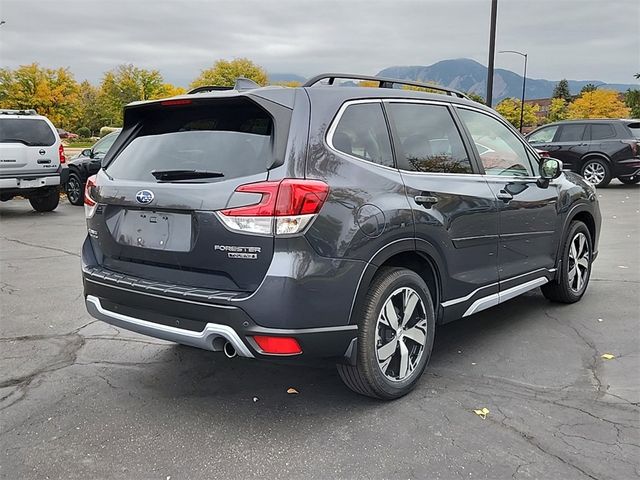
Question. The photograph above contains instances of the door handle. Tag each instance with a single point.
(425, 200)
(504, 196)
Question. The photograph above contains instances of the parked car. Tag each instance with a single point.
(327, 222)
(599, 150)
(32, 161)
(86, 164)
(62, 133)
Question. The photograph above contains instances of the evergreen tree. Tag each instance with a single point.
(562, 90)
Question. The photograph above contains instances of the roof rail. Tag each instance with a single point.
(30, 111)
(382, 82)
(242, 83)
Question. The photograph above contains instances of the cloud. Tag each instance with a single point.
(578, 39)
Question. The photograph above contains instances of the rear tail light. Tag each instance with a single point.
(63, 159)
(286, 207)
(278, 345)
(633, 144)
(90, 202)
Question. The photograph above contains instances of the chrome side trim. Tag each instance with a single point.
(455, 301)
(496, 298)
(202, 339)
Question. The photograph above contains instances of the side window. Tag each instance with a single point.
(500, 150)
(602, 131)
(429, 139)
(362, 132)
(571, 133)
(104, 145)
(544, 135)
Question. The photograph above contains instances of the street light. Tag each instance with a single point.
(524, 82)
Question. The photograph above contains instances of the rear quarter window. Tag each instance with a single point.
(602, 131)
(32, 132)
(233, 138)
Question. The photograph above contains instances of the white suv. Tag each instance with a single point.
(32, 161)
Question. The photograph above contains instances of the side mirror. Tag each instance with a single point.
(86, 152)
(550, 168)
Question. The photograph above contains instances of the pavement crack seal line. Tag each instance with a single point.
(67, 356)
(61, 250)
(530, 439)
(592, 364)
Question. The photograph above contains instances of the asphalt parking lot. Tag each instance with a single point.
(81, 399)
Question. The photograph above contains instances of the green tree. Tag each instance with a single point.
(225, 72)
(557, 110)
(476, 97)
(125, 84)
(509, 108)
(562, 90)
(589, 87)
(90, 111)
(51, 92)
(598, 104)
(632, 100)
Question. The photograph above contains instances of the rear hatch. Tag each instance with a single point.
(27, 146)
(178, 163)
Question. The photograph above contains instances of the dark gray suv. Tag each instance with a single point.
(327, 223)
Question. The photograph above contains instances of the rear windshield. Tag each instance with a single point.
(233, 138)
(32, 132)
(635, 129)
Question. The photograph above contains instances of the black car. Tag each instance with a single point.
(327, 223)
(86, 164)
(599, 150)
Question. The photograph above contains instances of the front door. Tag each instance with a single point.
(529, 223)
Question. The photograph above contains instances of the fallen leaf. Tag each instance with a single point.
(607, 356)
(482, 412)
(292, 391)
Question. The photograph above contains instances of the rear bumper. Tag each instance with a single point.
(627, 168)
(203, 324)
(30, 182)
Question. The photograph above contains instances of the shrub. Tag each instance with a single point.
(107, 130)
(83, 132)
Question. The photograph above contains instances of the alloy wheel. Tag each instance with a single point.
(578, 262)
(73, 189)
(594, 173)
(401, 334)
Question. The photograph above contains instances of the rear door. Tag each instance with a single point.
(27, 146)
(169, 229)
(453, 207)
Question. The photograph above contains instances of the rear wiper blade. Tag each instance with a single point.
(168, 175)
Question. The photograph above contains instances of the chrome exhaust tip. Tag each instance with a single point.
(229, 350)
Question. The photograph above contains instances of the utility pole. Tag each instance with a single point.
(492, 51)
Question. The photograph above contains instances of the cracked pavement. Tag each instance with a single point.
(81, 399)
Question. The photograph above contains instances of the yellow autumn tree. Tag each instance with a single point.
(51, 92)
(598, 104)
(225, 72)
(509, 108)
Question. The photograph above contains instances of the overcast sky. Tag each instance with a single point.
(576, 39)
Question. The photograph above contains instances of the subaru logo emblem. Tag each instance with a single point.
(42, 151)
(144, 197)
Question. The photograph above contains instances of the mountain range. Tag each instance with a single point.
(470, 76)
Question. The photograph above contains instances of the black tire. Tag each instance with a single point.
(367, 377)
(629, 180)
(561, 290)
(75, 190)
(47, 201)
(597, 172)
